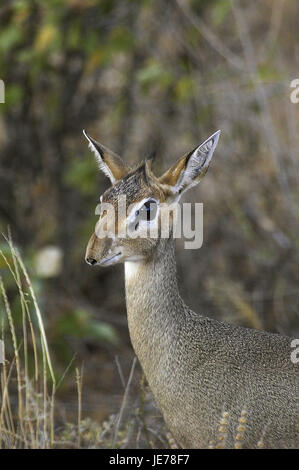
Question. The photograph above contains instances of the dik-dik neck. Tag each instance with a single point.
(155, 309)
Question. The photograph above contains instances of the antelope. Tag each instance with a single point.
(217, 384)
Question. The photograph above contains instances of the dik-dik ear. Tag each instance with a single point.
(189, 169)
(109, 162)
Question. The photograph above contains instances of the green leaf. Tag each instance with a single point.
(267, 73)
(81, 175)
(9, 37)
(13, 94)
(79, 323)
(121, 39)
(153, 73)
(103, 331)
(220, 11)
(185, 88)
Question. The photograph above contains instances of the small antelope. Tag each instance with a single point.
(217, 384)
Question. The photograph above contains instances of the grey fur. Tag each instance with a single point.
(199, 368)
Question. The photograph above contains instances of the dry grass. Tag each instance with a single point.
(28, 387)
(32, 426)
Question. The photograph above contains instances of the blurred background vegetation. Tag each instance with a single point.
(143, 76)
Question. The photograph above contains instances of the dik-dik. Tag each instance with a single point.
(217, 384)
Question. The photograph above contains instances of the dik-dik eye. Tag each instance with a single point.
(148, 211)
(145, 214)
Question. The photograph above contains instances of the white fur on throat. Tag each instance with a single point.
(131, 269)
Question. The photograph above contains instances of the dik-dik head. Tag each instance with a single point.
(131, 211)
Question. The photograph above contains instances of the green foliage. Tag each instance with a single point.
(153, 73)
(220, 11)
(268, 73)
(185, 88)
(74, 38)
(13, 95)
(198, 6)
(48, 39)
(4, 250)
(9, 37)
(81, 175)
(121, 39)
(80, 324)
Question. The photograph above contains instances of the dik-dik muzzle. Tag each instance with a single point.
(101, 251)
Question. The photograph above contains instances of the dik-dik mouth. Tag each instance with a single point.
(112, 260)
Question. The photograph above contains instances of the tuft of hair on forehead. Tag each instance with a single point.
(139, 183)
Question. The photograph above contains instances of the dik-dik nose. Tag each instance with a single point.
(90, 261)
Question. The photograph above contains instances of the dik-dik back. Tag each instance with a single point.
(217, 384)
